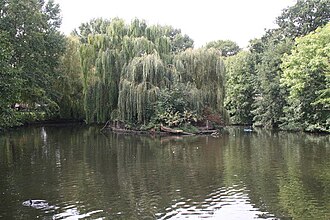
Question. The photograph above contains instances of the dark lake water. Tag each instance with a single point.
(81, 173)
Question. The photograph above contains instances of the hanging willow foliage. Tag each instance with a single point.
(126, 66)
(141, 82)
(205, 71)
(105, 55)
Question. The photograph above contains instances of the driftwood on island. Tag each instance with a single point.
(174, 131)
(207, 131)
(120, 127)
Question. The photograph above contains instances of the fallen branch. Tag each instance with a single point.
(174, 131)
(106, 125)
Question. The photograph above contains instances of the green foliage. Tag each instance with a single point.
(123, 62)
(69, 85)
(174, 99)
(30, 117)
(126, 66)
(240, 87)
(307, 77)
(139, 86)
(179, 42)
(303, 17)
(8, 118)
(171, 118)
(270, 97)
(173, 107)
(149, 126)
(226, 47)
(30, 50)
(37, 45)
(9, 83)
(203, 70)
(147, 74)
(93, 27)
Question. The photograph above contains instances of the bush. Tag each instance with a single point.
(8, 118)
(29, 117)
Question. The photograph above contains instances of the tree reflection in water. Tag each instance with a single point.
(88, 174)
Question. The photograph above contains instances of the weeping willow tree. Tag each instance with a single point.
(125, 67)
(140, 84)
(108, 58)
(101, 70)
(204, 70)
(69, 84)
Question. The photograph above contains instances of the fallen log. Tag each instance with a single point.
(126, 131)
(174, 131)
(207, 131)
(170, 130)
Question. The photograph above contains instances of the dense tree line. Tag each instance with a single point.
(306, 76)
(282, 81)
(149, 74)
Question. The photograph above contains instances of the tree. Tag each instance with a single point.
(226, 47)
(295, 21)
(9, 83)
(204, 70)
(270, 97)
(105, 56)
(180, 42)
(93, 27)
(140, 84)
(123, 62)
(306, 74)
(305, 16)
(128, 66)
(240, 87)
(69, 84)
(173, 106)
(31, 28)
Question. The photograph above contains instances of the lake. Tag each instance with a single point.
(78, 172)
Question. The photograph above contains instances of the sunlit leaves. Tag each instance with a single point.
(306, 73)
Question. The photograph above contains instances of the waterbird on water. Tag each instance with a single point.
(249, 129)
(37, 204)
(215, 134)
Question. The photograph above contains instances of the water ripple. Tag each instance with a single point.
(223, 203)
(76, 210)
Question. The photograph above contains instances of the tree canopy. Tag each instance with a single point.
(306, 74)
(31, 46)
(240, 89)
(303, 17)
(226, 47)
(270, 101)
(126, 67)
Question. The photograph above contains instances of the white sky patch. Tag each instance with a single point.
(203, 21)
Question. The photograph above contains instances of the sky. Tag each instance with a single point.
(202, 20)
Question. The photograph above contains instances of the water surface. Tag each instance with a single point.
(84, 174)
